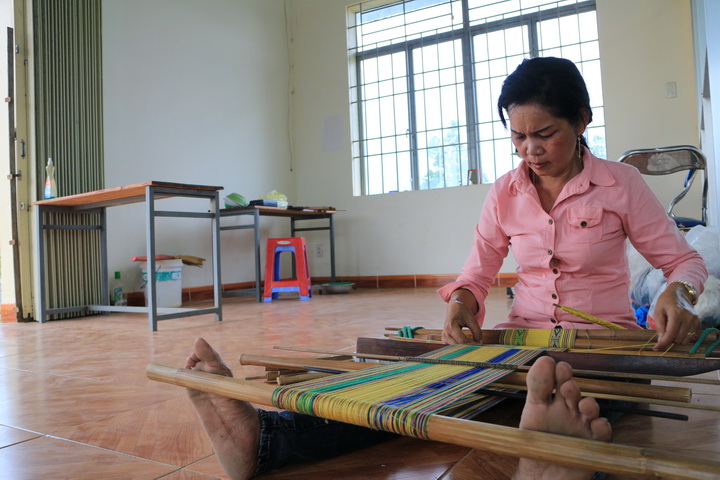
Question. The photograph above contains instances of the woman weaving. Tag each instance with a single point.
(566, 214)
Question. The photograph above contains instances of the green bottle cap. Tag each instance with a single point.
(117, 275)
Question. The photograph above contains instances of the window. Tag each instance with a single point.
(426, 74)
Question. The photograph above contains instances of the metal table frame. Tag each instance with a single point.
(295, 216)
(96, 203)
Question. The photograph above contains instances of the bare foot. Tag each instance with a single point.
(233, 426)
(565, 413)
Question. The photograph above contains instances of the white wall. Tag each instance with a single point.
(427, 232)
(197, 92)
(194, 92)
(644, 44)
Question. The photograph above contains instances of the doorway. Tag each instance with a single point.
(16, 174)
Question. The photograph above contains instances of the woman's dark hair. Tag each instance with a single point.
(553, 83)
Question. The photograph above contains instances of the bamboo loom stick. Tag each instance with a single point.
(514, 394)
(521, 368)
(580, 343)
(289, 379)
(547, 447)
(301, 363)
(589, 318)
(664, 403)
(645, 352)
(589, 387)
(515, 385)
(640, 346)
(629, 335)
(430, 338)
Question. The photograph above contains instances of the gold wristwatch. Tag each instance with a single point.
(690, 289)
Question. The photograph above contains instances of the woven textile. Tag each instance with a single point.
(400, 397)
(539, 338)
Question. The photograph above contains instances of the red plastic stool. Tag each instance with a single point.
(273, 283)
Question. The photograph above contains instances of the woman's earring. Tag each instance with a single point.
(579, 146)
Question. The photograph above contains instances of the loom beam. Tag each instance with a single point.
(570, 451)
(633, 340)
(652, 365)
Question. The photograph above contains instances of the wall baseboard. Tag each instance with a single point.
(194, 294)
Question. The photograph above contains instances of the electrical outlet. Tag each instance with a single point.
(319, 250)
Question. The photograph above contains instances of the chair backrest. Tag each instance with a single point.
(667, 160)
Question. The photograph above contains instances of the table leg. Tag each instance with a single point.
(215, 225)
(104, 284)
(42, 300)
(150, 239)
(256, 222)
(332, 248)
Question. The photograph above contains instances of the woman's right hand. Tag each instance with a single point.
(460, 315)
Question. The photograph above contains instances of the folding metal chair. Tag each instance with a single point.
(667, 160)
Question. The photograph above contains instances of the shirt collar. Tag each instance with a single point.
(593, 172)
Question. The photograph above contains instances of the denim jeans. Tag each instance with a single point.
(287, 437)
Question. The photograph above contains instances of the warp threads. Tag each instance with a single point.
(400, 397)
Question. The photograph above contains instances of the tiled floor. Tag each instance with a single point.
(75, 402)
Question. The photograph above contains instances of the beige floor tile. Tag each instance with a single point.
(166, 432)
(11, 436)
(45, 403)
(51, 458)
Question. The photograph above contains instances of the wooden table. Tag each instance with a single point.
(96, 203)
(295, 215)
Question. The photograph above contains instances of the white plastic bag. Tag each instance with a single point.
(646, 283)
(276, 196)
(706, 240)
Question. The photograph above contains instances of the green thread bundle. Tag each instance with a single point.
(407, 332)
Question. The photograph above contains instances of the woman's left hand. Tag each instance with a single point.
(675, 318)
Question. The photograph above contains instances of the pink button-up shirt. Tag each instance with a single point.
(575, 255)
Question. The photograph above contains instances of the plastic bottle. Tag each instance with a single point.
(50, 184)
(116, 295)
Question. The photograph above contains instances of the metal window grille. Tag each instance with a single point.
(426, 75)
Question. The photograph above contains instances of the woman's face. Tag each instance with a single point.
(547, 144)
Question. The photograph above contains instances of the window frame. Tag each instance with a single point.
(466, 34)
